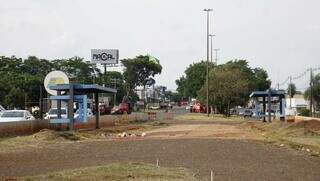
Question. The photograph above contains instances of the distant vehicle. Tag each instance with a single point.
(241, 111)
(2, 109)
(121, 109)
(53, 113)
(247, 113)
(16, 115)
(154, 106)
(89, 114)
(183, 103)
(188, 107)
(104, 109)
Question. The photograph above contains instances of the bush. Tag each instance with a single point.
(304, 112)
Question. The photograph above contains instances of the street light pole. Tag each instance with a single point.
(211, 49)
(207, 81)
(216, 50)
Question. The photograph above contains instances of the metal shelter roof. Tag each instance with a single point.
(84, 88)
(274, 93)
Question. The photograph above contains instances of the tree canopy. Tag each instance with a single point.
(139, 71)
(315, 92)
(291, 90)
(21, 79)
(230, 84)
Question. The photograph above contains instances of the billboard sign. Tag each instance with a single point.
(54, 78)
(105, 56)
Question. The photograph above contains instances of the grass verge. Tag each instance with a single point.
(118, 172)
(48, 137)
(300, 135)
(204, 117)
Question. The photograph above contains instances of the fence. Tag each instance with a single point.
(29, 127)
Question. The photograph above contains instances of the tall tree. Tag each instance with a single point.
(191, 83)
(291, 90)
(139, 71)
(226, 88)
(315, 92)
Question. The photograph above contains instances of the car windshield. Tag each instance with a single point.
(55, 111)
(12, 114)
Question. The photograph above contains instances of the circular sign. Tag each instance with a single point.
(54, 78)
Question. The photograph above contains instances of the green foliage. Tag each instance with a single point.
(291, 90)
(230, 84)
(20, 79)
(304, 112)
(189, 85)
(315, 92)
(139, 71)
(77, 69)
(226, 88)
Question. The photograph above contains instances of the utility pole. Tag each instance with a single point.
(105, 74)
(207, 102)
(114, 81)
(311, 93)
(216, 51)
(290, 92)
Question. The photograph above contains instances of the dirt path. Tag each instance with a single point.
(230, 159)
(221, 131)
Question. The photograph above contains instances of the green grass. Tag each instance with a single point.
(204, 117)
(290, 135)
(118, 172)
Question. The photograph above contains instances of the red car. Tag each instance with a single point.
(122, 108)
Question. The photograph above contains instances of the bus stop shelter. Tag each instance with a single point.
(71, 90)
(267, 99)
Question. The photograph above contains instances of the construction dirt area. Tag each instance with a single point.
(229, 148)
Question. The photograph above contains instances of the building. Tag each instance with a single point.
(297, 103)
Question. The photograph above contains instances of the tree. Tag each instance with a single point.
(139, 71)
(291, 90)
(77, 69)
(226, 88)
(191, 83)
(315, 92)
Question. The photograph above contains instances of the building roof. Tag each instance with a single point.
(274, 93)
(84, 88)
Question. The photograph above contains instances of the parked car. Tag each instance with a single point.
(2, 109)
(16, 115)
(247, 113)
(53, 113)
(122, 108)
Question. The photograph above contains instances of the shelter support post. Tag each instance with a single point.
(70, 107)
(97, 111)
(269, 105)
(264, 108)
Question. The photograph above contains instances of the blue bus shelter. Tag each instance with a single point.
(267, 99)
(77, 93)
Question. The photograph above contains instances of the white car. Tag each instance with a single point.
(2, 109)
(53, 113)
(16, 115)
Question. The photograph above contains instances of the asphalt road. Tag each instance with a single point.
(229, 159)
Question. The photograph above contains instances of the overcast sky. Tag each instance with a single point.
(281, 36)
